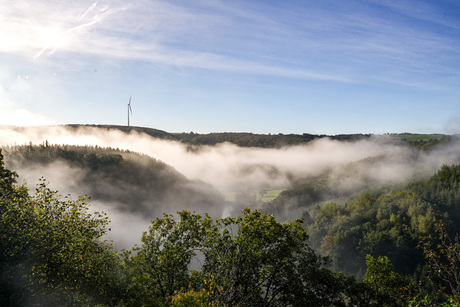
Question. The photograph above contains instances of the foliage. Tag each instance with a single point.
(280, 140)
(388, 224)
(247, 139)
(52, 249)
(428, 301)
(160, 266)
(190, 298)
(252, 260)
(9, 241)
(252, 266)
(53, 252)
(342, 185)
(392, 288)
(444, 263)
(7, 180)
(127, 180)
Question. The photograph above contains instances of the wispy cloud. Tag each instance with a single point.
(88, 10)
(84, 23)
(150, 31)
(49, 26)
(338, 43)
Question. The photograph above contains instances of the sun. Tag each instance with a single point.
(51, 38)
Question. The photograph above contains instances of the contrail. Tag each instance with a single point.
(104, 13)
(40, 52)
(89, 10)
(97, 18)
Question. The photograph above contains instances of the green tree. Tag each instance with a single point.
(257, 265)
(390, 287)
(444, 264)
(51, 249)
(252, 260)
(160, 267)
(68, 257)
(10, 241)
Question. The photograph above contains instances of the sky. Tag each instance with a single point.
(321, 67)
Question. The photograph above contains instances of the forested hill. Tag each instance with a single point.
(242, 139)
(389, 224)
(52, 252)
(127, 180)
(246, 139)
(381, 218)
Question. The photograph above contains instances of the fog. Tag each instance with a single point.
(230, 168)
(225, 166)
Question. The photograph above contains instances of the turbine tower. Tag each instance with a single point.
(129, 109)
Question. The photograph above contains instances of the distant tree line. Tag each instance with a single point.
(275, 140)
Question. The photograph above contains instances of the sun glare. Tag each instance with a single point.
(52, 39)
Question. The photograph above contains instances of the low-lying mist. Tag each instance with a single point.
(232, 169)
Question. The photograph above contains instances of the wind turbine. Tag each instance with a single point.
(129, 109)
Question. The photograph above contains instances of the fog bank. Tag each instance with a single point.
(225, 166)
(230, 168)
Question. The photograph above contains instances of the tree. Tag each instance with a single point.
(9, 239)
(161, 265)
(252, 260)
(444, 264)
(7, 180)
(391, 289)
(68, 257)
(51, 248)
(257, 265)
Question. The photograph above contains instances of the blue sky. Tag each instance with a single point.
(324, 67)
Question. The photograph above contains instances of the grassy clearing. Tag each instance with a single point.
(271, 195)
(230, 196)
(417, 137)
(267, 196)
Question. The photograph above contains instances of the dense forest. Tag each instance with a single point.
(388, 224)
(53, 254)
(126, 180)
(341, 237)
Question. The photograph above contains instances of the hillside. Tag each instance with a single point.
(373, 174)
(121, 179)
(298, 189)
(388, 223)
(53, 253)
(246, 139)
(358, 195)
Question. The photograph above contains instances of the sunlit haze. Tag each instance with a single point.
(324, 67)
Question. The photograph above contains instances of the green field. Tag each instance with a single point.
(417, 137)
(230, 196)
(267, 195)
(271, 195)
